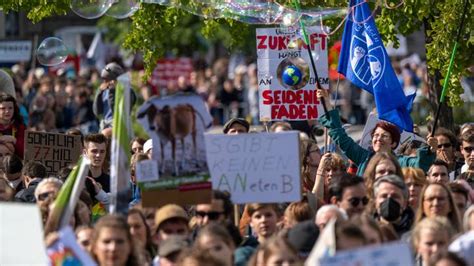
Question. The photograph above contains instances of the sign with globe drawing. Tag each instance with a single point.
(286, 82)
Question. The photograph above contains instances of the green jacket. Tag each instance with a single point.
(360, 156)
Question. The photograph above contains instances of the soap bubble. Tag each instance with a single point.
(90, 9)
(51, 52)
(123, 8)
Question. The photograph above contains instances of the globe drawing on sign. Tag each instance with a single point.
(291, 75)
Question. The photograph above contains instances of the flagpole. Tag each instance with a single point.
(308, 48)
(450, 67)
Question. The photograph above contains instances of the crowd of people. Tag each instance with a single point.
(420, 195)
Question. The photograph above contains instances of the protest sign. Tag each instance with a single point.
(15, 51)
(366, 139)
(278, 49)
(21, 235)
(255, 168)
(66, 251)
(54, 150)
(392, 254)
(177, 124)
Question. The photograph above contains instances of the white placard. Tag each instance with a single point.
(278, 48)
(392, 254)
(255, 168)
(366, 139)
(147, 170)
(15, 51)
(21, 235)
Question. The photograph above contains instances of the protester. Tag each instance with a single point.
(467, 150)
(84, 237)
(468, 219)
(170, 220)
(371, 229)
(436, 200)
(302, 237)
(447, 143)
(447, 258)
(415, 179)
(136, 145)
(331, 167)
(297, 212)
(46, 188)
(438, 172)
(6, 191)
(460, 196)
(170, 250)
(276, 251)
(349, 236)
(430, 237)
(328, 212)
(349, 194)
(280, 126)
(12, 166)
(236, 126)
(141, 233)
(385, 138)
(381, 164)
(197, 257)
(215, 239)
(391, 205)
(310, 158)
(33, 172)
(12, 127)
(95, 149)
(112, 243)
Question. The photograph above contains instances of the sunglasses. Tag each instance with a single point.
(356, 201)
(468, 149)
(445, 145)
(44, 196)
(210, 215)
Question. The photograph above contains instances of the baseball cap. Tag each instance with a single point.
(232, 121)
(169, 211)
(171, 245)
(111, 71)
(303, 236)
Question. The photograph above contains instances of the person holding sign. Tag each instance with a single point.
(385, 138)
(12, 127)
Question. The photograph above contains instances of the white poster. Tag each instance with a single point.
(255, 168)
(286, 81)
(15, 51)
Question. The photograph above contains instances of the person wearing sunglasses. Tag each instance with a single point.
(349, 194)
(447, 143)
(467, 151)
(391, 204)
(47, 188)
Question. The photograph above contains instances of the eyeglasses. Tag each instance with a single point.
(44, 196)
(468, 149)
(382, 136)
(445, 145)
(210, 215)
(356, 201)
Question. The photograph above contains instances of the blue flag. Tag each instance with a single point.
(364, 62)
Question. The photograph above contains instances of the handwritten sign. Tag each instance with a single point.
(393, 254)
(147, 170)
(278, 48)
(54, 150)
(255, 168)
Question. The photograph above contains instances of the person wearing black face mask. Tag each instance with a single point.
(391, 205)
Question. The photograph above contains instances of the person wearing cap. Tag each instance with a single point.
(104, 101)
(169, 251)
(236, 126)
(385, 138)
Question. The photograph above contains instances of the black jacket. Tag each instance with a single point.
(28, 194)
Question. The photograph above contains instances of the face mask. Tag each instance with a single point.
(390, 209)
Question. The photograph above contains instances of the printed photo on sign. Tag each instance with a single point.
(258, 168)
(287, 82)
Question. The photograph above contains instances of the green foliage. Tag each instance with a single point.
(37, 9)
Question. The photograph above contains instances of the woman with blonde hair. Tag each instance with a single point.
(430, 237)
(381, 164)
(275, 251)
(310, 157)
(415, 179)
(331, 167)
(436, 200)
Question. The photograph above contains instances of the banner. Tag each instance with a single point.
(120, 148)
(391, 254)
(286, 82)
(169, 70)
(66, 251)
(54, 150)
(176, 125)
(256, 168)
(15, 51)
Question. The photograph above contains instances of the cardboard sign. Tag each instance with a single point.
(147, 170)
(54, 150)
(21, 235)
(66, 251)
(392, 254)
(256, 168)
(177, 124)
(278, 48)
(366, 139)
(15, 51)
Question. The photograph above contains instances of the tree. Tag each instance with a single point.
(154, 30)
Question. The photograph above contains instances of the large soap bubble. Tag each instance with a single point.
(90, 9)
(123, 8)
(51, 52)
